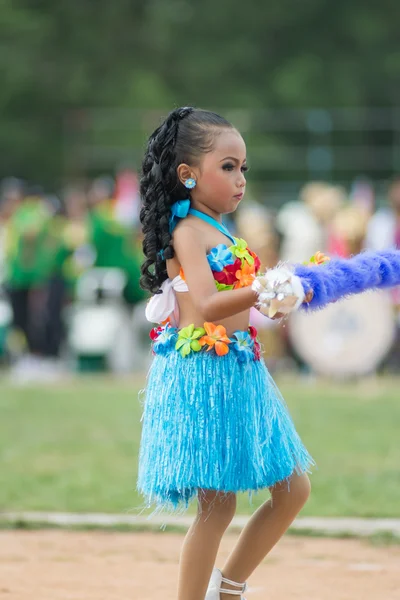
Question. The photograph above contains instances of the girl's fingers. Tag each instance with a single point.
(308, 297)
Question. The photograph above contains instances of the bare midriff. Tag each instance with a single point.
(188, 315)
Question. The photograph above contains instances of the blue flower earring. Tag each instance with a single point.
(190, 183)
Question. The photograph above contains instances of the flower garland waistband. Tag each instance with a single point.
(211, 338)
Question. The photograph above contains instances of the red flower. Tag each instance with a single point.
(253, 332)
(234, 266)
(228, 274)
(155, 332)
(257, 262)
(257, 350)
(224, 277)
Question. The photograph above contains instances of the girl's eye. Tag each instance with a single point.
(230, 167)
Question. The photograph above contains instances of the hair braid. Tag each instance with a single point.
(184, 134)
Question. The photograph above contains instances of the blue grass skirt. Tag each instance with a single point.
(213, 422)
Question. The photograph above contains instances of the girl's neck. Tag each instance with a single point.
(206, 210)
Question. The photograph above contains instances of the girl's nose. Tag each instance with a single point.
(242, 181)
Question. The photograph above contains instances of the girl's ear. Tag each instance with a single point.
(185, 172)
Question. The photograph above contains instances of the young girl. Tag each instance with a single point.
(214, 422)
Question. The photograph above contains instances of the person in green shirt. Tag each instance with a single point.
(11, 196)
(28, 263)
(115, 244)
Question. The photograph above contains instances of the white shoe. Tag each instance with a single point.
(216, 581)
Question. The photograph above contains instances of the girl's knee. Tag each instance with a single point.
(303, 488)
(212, 503)
(294, 493)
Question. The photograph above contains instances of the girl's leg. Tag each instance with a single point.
(265, 528)
(200, 547)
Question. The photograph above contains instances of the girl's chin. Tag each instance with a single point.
(229, 206)
(237, 201)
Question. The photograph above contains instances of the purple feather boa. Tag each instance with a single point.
(343, 277)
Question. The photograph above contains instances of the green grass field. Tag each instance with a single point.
(74, 447)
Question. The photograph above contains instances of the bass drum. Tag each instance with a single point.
(347, 338)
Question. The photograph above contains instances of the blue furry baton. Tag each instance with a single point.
(285, 287)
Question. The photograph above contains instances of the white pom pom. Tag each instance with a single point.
(279, 291)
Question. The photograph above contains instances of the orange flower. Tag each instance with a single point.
(319, 258)
(182, 275)
(216, 338)
(245, 276)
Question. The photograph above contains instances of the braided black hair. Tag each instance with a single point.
(184, 135)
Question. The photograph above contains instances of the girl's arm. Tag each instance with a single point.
(191, 252)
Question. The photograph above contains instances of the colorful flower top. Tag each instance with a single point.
(232, 266)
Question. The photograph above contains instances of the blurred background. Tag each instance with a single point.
(314, 88)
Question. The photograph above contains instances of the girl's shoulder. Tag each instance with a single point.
(188, 234)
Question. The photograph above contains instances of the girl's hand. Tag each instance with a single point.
(309, 296)
(277, 316)
(306, 300)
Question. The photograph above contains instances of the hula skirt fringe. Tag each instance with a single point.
(216, 423)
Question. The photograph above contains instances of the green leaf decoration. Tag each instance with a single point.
(186, 332)
(240, 250)
(199, 332)
(250, 259)
(180, 342)
(185, 350)
(240, 244)
(221, 287)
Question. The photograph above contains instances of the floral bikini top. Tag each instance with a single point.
(233, 267)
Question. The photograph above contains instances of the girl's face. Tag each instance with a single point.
(220, 180)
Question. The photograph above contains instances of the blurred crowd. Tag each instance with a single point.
(339, 222)
(49, 244)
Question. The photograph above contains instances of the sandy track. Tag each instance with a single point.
(55, 565)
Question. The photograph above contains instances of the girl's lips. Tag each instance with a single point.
(239, 196)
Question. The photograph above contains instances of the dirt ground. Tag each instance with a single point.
(55, 565)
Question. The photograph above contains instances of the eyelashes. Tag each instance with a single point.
(230, 167)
